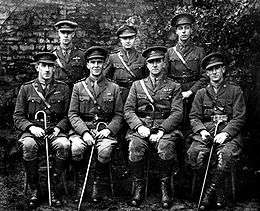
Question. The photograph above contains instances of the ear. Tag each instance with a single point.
(207, 73)
(223, 69)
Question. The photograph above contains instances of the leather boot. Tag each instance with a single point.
(101, 183)
(79, 179)
(138, 182)
(165, 167)
(59, 168)
(217, 179)
(31, 168)
(165, 184)
(220, 198)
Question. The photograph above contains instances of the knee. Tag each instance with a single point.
(166, 150)
(30, 149)
(225, 160)
(136, 151)
(104, 155)
(77, 149)
(62, 148)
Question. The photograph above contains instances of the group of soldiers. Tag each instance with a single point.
(148, 101)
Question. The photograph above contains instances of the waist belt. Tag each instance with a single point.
(185, 78)
(216, 118)
(95, 118)
(126, 84)
(155, 115)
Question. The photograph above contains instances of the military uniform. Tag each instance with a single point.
(28, 103)
(164, 114)
(189, 75)
(85, 115)
(72, 67)
(209, 106)
(133, 59)
(71, 60)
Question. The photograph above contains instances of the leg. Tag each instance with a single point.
(167, 155)
(78, 147)
(228, 155)
(137, 149)
(30, 149)
(61, 147)
(104, 147)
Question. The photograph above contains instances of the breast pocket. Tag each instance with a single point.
(34, 104)
(57, 104)
(208, 109)
(84, 104)
(108, 104)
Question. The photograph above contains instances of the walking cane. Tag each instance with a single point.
(206, 173)
(47, 152)
(89, 163)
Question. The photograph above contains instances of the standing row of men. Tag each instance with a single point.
(147, 104)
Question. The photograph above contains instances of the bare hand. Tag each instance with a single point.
(221, 137)
(87, 137)
(143, 131)
(37, 131)
(204, 135)
(103, 133)
(156, 137)
(55, 133)
(186, 94)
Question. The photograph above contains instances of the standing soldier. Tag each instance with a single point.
(183, 63)
(153, 111)
(218, 101)
(125, 66)
(95, 99)
(51, 96)
(71, 61)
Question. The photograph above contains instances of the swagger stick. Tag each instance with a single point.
(210, 154)
(47, 152)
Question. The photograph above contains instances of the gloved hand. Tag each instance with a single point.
(204, 135)
(156, 137)
(143, 131)
(37, 131)
(186, 94)
(87, 137)
(221, 137)
(55, 133)
(103, 133)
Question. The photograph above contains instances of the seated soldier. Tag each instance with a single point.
(95, 99)
(153, 111)
(52, 96)
(219, 101)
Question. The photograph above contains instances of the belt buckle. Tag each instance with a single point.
(218, 117)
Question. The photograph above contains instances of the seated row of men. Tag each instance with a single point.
(94, 113)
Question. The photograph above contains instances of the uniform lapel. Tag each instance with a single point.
(51, 89)
(149, 84)
(38, 86)
(160, 84)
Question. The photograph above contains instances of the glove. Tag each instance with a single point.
(156, 137)
(221, 137)
(103, 133)
(87, 137)
(37, 131)
(204, 135)
(54, 133)
(143, 131)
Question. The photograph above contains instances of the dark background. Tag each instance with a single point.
(231, 26)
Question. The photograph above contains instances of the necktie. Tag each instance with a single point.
(96, 88)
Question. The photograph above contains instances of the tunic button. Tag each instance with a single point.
(98, 108)
(215, 109)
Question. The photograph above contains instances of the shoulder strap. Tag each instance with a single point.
(146, 91)
(88, 91)
(125, 65)
(42, 97)
(181, 58)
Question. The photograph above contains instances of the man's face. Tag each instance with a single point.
(127, 42)
(95, 67)
(45, 70)
(66, 37)
(184, 32)
(155, 66)
(216, 73)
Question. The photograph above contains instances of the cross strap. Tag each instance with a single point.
(181, 58)
(146, 91)
(125, 65)
(89, 93)
(42, 97)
